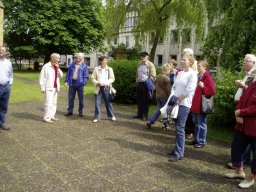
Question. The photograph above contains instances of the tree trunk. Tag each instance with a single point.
(16, 63)
(153, 49)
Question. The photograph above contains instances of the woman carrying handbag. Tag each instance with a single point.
(205, 86)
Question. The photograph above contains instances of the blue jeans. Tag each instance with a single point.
(180, 131)
(157, 113)
(239, 145)
(71, 98)
(200, 127)
(103, 93)
(5, 92)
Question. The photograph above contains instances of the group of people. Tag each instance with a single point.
(182, 89)
(76, 78)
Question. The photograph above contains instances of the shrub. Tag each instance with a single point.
(224, 98)
(125, 83)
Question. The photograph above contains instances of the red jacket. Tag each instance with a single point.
(247, 106)
(208, 90)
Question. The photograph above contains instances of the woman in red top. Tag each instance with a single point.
(205, 86)
(245, 134)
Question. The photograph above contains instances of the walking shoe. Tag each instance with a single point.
(235, 175)
(95, 120)
(5, 128)
(174, 158)
(148, 125)
(48, 121)
(198, 146)
(81, 114)
(68, 114)
(189, 136)
(230, 166)
(144, 118)
(246, 184)
(54, 119)
(113, 119)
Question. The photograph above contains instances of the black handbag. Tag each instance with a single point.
(207, 104)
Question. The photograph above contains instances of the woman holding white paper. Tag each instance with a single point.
(183, 88)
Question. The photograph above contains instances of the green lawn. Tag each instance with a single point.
(30, 75)
(22, 92)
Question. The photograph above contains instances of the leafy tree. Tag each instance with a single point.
(233, 36)
(54, 25)
(154, 16)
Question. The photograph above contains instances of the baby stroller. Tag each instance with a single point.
(168, 120)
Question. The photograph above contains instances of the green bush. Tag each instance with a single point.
(125, 83)
(224, 98)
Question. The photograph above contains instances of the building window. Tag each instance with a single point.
(186, 35)
(115, 41)
(127, 41)
(174, 36)
(160, 60)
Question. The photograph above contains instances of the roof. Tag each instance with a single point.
(1, 4)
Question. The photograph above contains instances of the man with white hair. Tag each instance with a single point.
(77, 77)
(49, 81)
(249, 65)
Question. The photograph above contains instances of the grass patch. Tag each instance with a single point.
(23, 92)
(34, 76)
(220, 133)
(30, 75)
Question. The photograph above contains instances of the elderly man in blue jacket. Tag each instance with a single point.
(77, 77)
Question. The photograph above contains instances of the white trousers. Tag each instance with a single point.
(50, 105)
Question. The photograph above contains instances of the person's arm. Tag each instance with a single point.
(42, 79)
(10, 73)
(152, 71)
(85, 75)
(208, 86)
(94, 77)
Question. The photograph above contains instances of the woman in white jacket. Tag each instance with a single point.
(49, 81)
(102, 78)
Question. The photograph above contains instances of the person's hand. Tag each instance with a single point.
(201, 84)
(66, 85)
(43, 92)
(57, 65)
(240, 120)
(240, 84)
(237, 113)
(98, 84)
(103, 84)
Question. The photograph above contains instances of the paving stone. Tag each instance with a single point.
(76, 155)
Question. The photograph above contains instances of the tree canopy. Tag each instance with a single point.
(54, 25)
(155, 16)
(233, 36)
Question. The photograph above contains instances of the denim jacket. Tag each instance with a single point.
(82, 74)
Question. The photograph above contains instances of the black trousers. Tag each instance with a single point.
(143, 99)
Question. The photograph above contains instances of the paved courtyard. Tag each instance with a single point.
(75, 154)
